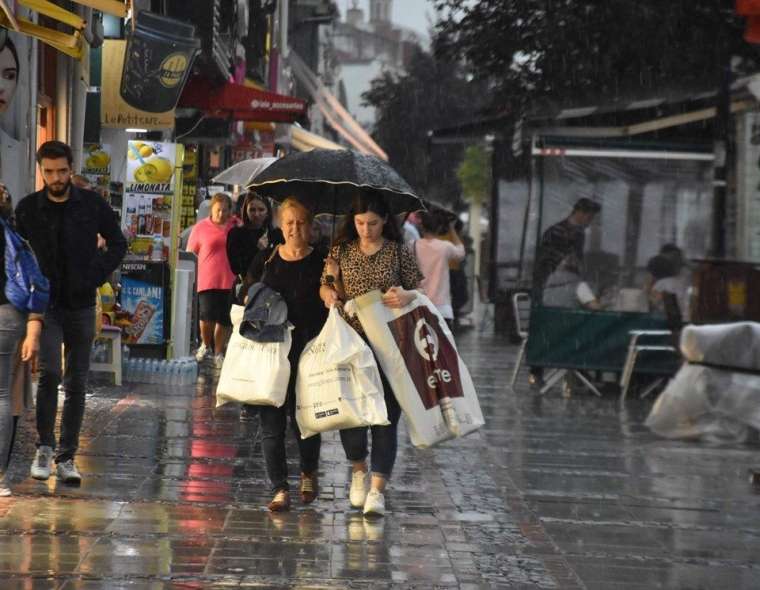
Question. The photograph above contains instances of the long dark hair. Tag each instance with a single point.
(253, 196)
(365, 202)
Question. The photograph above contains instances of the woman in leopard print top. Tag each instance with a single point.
(369, 254)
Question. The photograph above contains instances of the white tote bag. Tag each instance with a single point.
(416, 350)
(255, 373)
(338, 384)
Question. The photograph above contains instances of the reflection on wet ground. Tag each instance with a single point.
(552, 493)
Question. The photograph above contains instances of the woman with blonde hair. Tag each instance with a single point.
(208, 241)
(293, 269)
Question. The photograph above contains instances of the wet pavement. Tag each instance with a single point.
(552, 493)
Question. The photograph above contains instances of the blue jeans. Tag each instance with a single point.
(75, 329)
(12, 325)
(384, 438)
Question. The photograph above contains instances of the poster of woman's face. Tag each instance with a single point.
(8, 74)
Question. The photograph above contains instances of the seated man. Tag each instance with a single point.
(566, 288)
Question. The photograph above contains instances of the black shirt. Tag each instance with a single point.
(560, 240)
(298, 283)
(242, 245)
(58, 294)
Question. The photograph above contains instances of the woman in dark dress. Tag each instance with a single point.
(293, 269)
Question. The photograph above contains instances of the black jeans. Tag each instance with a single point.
(273, 428)
(384, 438)
(12, 326)
(75, 329)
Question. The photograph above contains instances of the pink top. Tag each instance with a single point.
(209, 242)
(433, 256)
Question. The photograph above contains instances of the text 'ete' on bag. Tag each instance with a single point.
(26, 288)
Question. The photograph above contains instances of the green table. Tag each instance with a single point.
(587, 340)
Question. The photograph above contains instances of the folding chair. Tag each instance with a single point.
(659, 341)
(521, 309)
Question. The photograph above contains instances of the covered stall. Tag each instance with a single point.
(650, 194)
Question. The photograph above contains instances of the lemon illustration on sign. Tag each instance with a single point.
(173, 69)
(140, 150)
(97, 159)
(156, 170)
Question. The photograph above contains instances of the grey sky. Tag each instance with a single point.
(408, 13)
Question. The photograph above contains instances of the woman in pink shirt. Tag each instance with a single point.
(209, 242)
(433, 257)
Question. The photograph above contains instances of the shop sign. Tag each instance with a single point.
(114, 111)
(97, 164)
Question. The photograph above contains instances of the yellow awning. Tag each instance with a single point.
(305, 141)
(72, 44)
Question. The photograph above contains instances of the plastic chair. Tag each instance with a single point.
(521, 308)
(112, 335)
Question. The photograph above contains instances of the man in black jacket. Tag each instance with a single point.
(62, 223)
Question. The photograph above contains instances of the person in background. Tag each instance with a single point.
(457, 276)
(669, 275)
(19, 341)
(369, 254)
(411, 228)
(565, 287)
(433, 259)
(9, 72)
(62, 223)
(208, 241)
(563, 239)
(256, 233)
(293, 269)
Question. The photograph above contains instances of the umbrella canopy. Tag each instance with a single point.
(243, 172)
(327, 180)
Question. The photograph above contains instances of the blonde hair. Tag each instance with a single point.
(222, 198)
(293, 203)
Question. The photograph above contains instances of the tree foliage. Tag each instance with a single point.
(431, 94)
(474, 174)
(584, 49)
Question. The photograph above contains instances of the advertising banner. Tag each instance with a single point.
(114, 111)
(149, 189)
(97, 164)
(143, 296)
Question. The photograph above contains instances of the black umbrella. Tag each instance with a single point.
(327, 180)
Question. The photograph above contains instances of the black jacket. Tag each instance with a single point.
(79, 268)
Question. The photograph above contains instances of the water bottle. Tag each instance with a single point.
(125, 361)
(176, 378)
(153, 371)
(138, 371)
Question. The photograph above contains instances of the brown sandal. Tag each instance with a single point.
(309, 487)
(280, 502)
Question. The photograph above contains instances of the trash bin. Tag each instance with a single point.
(159, 55)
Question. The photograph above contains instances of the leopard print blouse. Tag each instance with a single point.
(392, 265)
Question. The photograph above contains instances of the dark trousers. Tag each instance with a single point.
(12, 326)
(273, 428)
(75, 329)
(384, 438)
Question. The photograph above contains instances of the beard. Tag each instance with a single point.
(58, 192)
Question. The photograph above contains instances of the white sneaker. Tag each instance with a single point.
(5, 491)
(202, 353)
(219, 361)
(67, 473)
(43, 463)
(450, 416)
(375, 504)
(358, 493)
